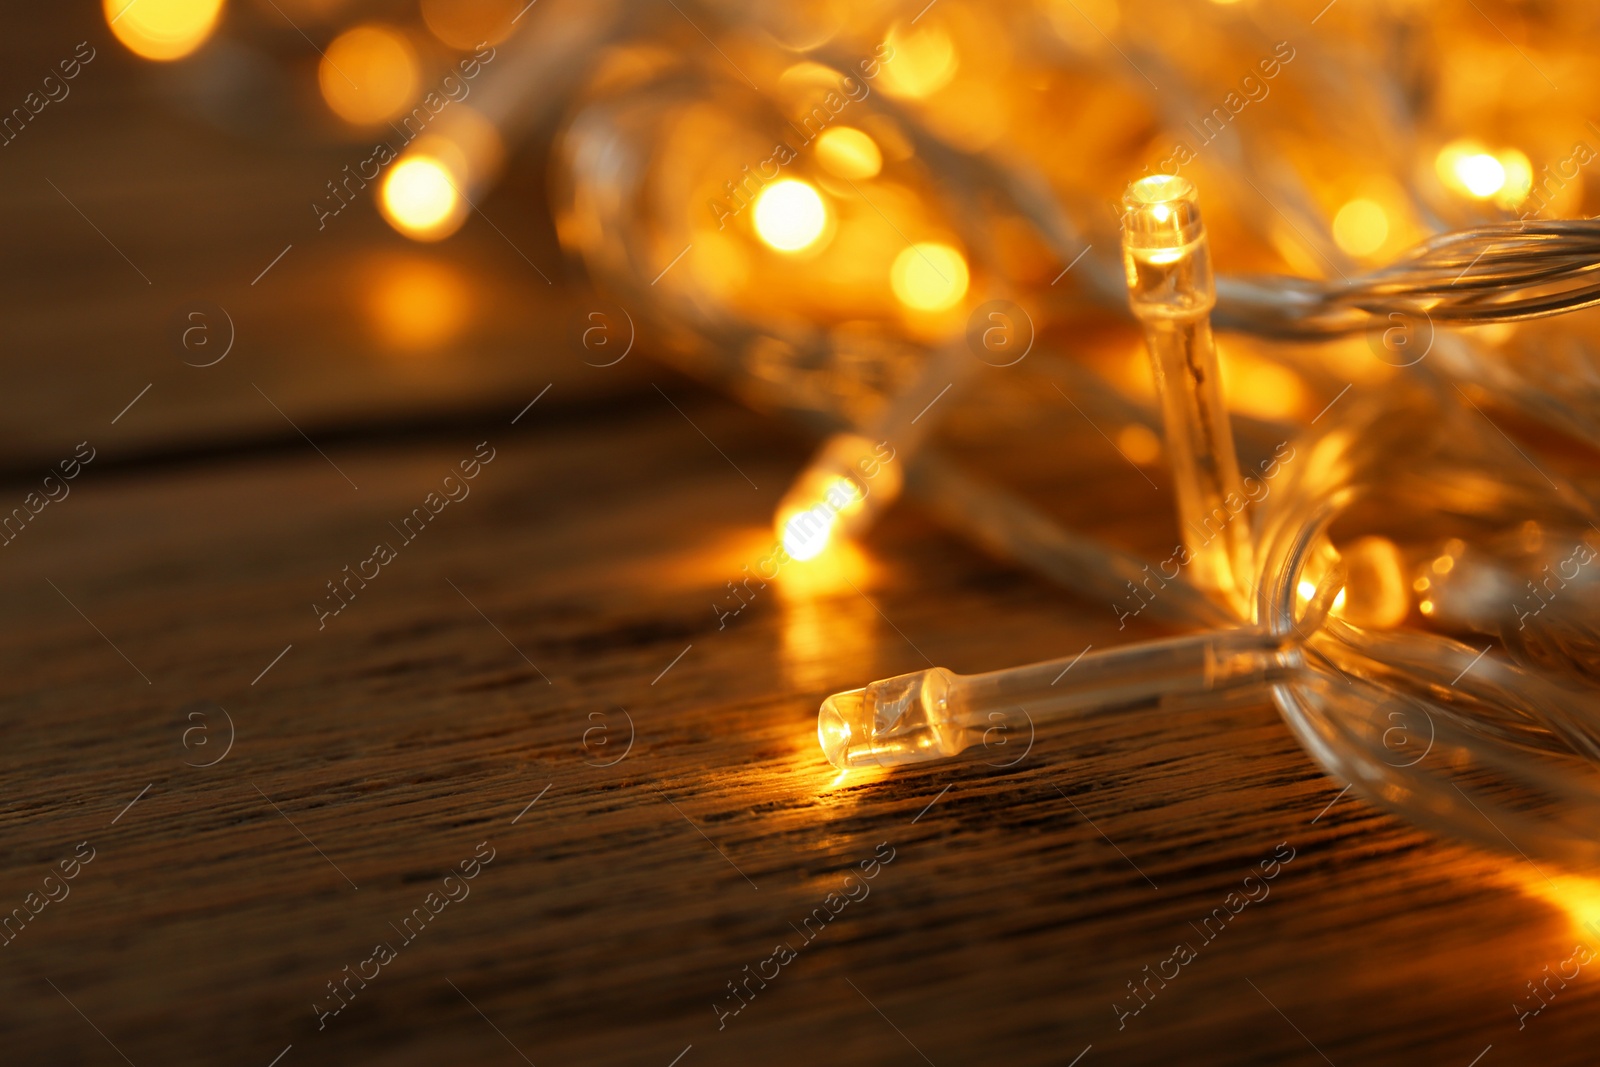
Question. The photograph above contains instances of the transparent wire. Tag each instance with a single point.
(1484, 743)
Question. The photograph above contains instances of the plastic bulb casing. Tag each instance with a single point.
(935, 714)
(1167, 258)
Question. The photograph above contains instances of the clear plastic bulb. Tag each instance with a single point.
(1167, 258)
(936, 714)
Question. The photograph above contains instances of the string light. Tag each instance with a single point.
(842, 316)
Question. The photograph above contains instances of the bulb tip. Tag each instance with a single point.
(838, 723)
(1160, 211)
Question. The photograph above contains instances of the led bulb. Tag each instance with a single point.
(1168, 262)
(1165, 252)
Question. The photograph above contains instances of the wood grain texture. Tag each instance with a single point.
(573, 590)
(1018, 904)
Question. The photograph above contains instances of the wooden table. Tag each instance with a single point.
(540, 676)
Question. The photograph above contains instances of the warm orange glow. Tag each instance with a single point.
(1361, 227)
(829, 631)
(162, 29)
(368, 74)
(807, 527)
(1376, 581)
(849, 153)
(1470, 169)
(1260, 387)
(1577, 896)
(1481, 173)
(465, 24)
(420, 199)
(417, 304)
(924, 61)
(790, 215)
(929, 277)
(1139, 444)
(1081, 22)
(1519, 178)
(830, 573)
(805, 532)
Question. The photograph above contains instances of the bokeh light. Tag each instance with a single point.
(929, 277)
(1257, 386)
(847, 152)
(415, 303)
(368, 74)
(420, 199)
(1361, 227)
(465, 24)
(806, 533)
(1481, 173)
(162, 29)
(1379, 595)
(1470, 169)
(1139, 443)
(925, 59)
(1519, 178)
(790, 215)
